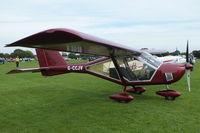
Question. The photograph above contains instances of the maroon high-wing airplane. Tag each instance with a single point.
(119, 64)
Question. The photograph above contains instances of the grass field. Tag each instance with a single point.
(79, 103)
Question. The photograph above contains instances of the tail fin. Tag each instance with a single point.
(50, 58)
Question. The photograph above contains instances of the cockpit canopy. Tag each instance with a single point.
(133, 68)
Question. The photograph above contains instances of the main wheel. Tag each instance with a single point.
(122, 98)
(170, 98)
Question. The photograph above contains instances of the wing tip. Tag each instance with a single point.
(14, 71)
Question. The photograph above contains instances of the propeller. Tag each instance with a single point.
(188, 66)
(188, 79)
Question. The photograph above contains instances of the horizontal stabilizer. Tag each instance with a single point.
(27, 70)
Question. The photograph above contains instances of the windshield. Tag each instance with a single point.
(148, 58)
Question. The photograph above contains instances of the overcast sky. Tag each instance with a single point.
(153, 24)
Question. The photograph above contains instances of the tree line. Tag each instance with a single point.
(196, 53)
(18, 52)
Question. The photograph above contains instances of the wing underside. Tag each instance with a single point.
(73, 41)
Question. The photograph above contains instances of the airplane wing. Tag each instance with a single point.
(74, 41)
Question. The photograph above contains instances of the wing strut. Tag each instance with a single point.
(118, 68)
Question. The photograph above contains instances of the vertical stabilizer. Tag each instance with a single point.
(50, 58)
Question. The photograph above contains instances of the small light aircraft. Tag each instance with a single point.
(118, 64)
(171, 58)
(176, 59)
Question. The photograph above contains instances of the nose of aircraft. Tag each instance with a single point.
(178, 72)
(173, 72)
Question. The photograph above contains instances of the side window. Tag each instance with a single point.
(106, 68)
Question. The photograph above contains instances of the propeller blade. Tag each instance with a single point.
(187, 52)
(188, 78)
(187, 66)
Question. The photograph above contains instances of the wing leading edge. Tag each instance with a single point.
(73, 41)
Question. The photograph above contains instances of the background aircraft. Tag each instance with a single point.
(171, 58)
(176, 59)
(118, 65)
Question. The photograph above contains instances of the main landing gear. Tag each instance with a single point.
(169, 94)
(124, 97)
(136, 90)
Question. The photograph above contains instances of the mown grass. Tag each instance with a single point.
(79, 103)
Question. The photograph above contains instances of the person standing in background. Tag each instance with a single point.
(17, 61)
